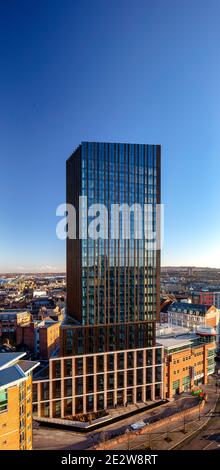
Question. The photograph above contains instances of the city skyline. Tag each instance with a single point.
(108, 72)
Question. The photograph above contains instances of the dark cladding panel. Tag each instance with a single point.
(73, 247)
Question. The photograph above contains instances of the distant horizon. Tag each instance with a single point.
(63, 272)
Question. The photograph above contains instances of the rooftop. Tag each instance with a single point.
(182, 306)
(13, 369)
(181, 341)
(6, 359)
(167, 329)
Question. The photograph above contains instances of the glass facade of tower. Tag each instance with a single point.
(118, 279)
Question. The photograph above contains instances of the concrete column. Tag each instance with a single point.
(95, 383)
(125, 379)
(115, 379)
(144, 375)
(105, 380)
(62, 388)
(135, 377)
(84, 384)
(153, 375)
(51, 387)
(73, 388)
(163, 385)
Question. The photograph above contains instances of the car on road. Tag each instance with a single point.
(138, 425)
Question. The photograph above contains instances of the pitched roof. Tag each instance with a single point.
(27, 366)
(6, 359)
(200, 308)
(10, 375)
(13, 369)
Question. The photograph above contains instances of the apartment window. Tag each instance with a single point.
(110, 362)
(79, 386)
(140, 358)
(21, 410)
(176, 385)
(21, 423)
(57, 369)
(158, 374)
(100, 363)
(130, 377)
(68, 387)
(140, 376)
(100, 382)
(130, 360)
(121, 361)
(21, 437)
(3, 400)
(158, 356)
(79, 366)
(68, 367)
(21, 390)
(89, 365)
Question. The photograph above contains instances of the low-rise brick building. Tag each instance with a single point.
(188, 360)
(40, 337)
(10, 319)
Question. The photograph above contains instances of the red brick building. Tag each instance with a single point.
(206, 298)
(10, 319)
(40, 337)
(188, 360)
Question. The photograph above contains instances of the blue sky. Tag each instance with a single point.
(143, 71)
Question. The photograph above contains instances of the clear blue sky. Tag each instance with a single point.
(143, 71)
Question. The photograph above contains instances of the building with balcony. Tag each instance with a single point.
(16, 401)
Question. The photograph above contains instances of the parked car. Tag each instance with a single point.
(138, 425)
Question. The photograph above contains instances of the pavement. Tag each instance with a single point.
(52, 438)
(194, 432)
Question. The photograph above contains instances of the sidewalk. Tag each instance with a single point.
(167, 437)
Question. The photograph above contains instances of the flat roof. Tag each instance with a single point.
(168, 329)
(180, 341)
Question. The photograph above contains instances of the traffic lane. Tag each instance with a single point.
(211, 433)
(163, 431)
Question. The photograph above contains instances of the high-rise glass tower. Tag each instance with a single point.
(112, 284)
(109, 356)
